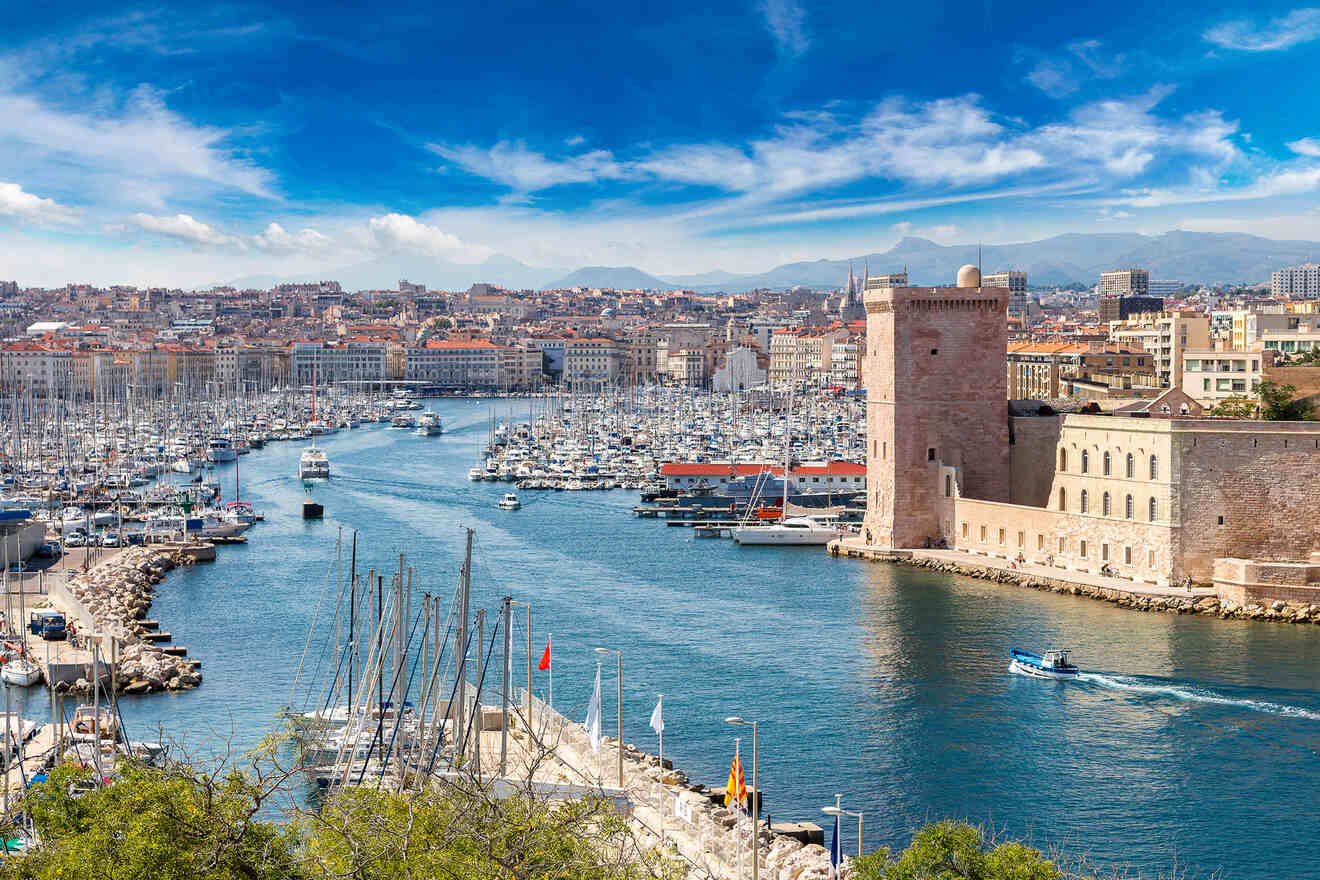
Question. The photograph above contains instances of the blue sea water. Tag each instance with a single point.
(1191, 743)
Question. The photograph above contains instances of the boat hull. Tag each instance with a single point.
(1024, 668)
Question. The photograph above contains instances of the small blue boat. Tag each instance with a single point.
(1054, 664)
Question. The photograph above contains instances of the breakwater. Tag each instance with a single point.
(1136, 599)
(117, 595)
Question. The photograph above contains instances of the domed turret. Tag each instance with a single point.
(969, 276)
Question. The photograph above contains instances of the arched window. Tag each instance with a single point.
(1083, 497)
(1106, 463)
(1086, 461)
(1131, 464)
(1127, 508)
(1104, 504)
(948, 485)
(1063, 498)
(1154, 467)
(1063, 459)
(1152, 510)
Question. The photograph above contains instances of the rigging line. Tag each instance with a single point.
(481, 683)
(453, 691)
(310, 632)
(399, 705)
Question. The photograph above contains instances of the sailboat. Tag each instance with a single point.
(790, 530)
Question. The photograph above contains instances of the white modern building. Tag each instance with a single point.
(1300, 281)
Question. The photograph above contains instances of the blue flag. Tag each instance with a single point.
(834, 850)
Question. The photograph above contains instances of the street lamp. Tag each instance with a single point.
(756, 792)
(838, 810)
(618, 705)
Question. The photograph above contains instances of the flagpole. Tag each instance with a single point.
(550, 697)
(661, 733)
(737, 756)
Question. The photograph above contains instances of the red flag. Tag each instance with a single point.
(545, 658)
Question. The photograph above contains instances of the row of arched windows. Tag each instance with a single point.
(1084, 504)
(1106, 464)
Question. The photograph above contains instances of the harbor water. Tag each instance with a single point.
(1190, 743)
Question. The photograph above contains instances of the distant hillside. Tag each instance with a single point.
(617, 277)
(1200, 257)
(385, 272)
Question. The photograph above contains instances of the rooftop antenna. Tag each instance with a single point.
(978, 258)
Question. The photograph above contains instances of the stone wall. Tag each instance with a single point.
(1066, 540)
(1249, 490)
(1247, 581)
(1035, 442)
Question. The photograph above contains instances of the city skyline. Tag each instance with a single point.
(194, 146)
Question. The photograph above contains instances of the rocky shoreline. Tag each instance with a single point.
(118, 594)
(1210, 606)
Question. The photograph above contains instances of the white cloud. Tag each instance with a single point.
(14, 202)
(184, 227)
(1278, 183)
(515, 166)
(1306, 147)
(1298, 26)
(136, 149)
(276, 238)
(787, 22)
(400, 232)
(1053, 77)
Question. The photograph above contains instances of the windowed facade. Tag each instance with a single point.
(1154, 468)
(1104, 505)
(1152, 510)
(1086, 461)
(1084, 501)
(1131, 464)
(1106, 464)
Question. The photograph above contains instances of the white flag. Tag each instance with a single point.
(593, 715)
(657, 718)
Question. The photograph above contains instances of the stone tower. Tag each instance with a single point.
(937, 402)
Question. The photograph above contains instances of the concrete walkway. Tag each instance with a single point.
(857, 548)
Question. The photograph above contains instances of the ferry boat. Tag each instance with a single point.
(428, 425)
(313, 465)
(509, 502)
(1054, 664)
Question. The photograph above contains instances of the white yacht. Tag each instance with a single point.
(313, 465)
(220, 449)
(509, 502)
(428, 425)
(799, 530)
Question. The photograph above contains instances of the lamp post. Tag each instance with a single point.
(618, 705)
(838, 810)
(756, 793)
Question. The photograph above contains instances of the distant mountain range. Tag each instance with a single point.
(1190, 257)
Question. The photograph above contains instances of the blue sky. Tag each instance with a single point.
(179, 145)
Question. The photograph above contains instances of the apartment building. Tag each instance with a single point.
(591, 362)
(32, 367)
(1057, 370)
(1211, 375)
(326, 363)
(1300, 281)
(1125, 282)
(1165, 335)
(455, 363)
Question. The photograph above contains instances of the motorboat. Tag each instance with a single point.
(428, 425)
(476, 473)
(796, 530)
(220, 449)
(1053, 664)
(313, 464)
(509, 502)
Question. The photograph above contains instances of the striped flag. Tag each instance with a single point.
(736, 793)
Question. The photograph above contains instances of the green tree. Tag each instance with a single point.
(956, 851)
(151, 823)
(1235, 408)
(1279, 403)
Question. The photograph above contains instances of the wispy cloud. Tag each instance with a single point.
(1306, 147)
(25, 206)
(1298, 26)
(787, 22)
(514, 165)
(1060, 75)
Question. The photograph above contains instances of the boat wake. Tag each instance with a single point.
(1194, 694)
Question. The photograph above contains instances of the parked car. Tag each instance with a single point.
(110, 539)
(75, 540)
